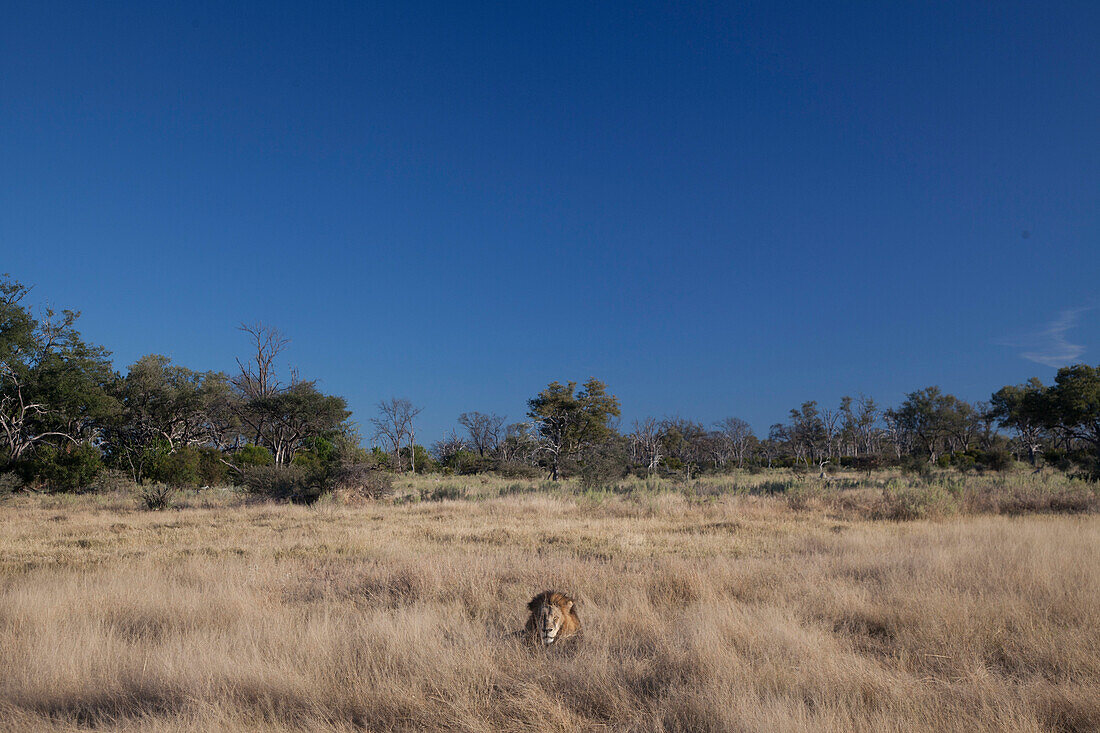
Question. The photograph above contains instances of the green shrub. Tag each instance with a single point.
(515, 469)
(71, 468)
(112, 480)
(283, 483)
(212, 469)
(253, 455)
(178, 468)
(602, 466)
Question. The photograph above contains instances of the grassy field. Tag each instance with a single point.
(754, 603)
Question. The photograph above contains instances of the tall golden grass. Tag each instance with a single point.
(721, 612)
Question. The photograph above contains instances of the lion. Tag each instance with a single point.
(553, 617)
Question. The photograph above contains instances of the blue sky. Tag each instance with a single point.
(718, 209)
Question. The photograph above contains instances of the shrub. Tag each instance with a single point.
(602, 466)
(515, 469)
(442, 493)
(361, 480)
(157, 496)
(902, 501)
(9, 483)
(996, 460)
(283, 483)
(61, 469)
(112, 480)
(178, 468)
(253, 455)
(212, 470)
(918, 465)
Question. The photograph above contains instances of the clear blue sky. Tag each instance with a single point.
(718, 209)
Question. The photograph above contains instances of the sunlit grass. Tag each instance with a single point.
(723, 605)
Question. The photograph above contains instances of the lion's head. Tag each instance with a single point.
(553, 617)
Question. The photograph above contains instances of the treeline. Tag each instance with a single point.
(66, 417)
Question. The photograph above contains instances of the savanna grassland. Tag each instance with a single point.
(757, 604)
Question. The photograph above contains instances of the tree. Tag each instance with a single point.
(1074, 406)
(484, 429)
(297, 414)
(394, 425)
(931, 421)
(685, 443)
(739, 435)
(569, 421)
(806, 433)
(54, 387)
(257, 379)
(519, 444)
(167, 407)
(645, 444)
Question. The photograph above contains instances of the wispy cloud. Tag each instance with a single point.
(1049, 346)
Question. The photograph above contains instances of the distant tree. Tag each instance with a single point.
(739, 435)
(394, 427)
(806, 433)
(295, 415)
(933, 422)
(485, 431)
(645, 444)
(1025, 409)
(685, 443)
(450, 446)
(858, 419)
(166, 407)
(569, 421)
(520, 444)
(1074, 406)
(258, 378)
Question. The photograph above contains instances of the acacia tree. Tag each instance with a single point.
(569, 421)
(485, 431)
(394, 425)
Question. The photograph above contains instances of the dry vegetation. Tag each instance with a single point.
(727, 606)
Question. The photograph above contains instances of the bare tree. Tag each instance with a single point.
(394, 425)
(485, 430)
(446, 449)
(739, 434)
(258, 379)
(645, 443)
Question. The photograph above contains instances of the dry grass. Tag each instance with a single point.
(718, 610)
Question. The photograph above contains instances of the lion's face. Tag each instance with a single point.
(549, 618)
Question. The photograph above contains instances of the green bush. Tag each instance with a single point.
(212, 470)
(178, 468)
(71, 468)
(284, 483)
(603, 466)
(515, 469)
(253, 455)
